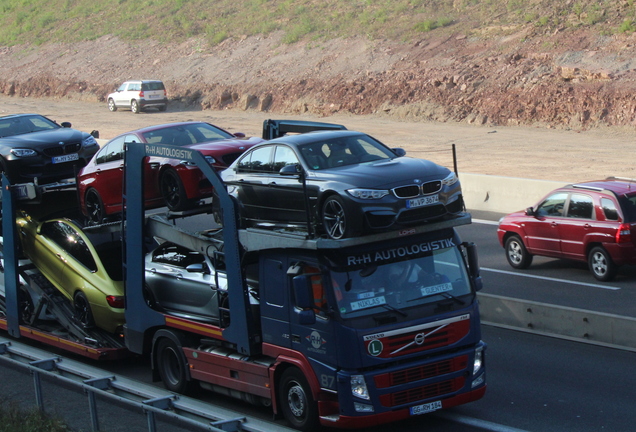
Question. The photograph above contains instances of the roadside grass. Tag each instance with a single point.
(213, 21)
(13, 419)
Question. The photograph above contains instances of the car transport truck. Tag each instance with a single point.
(344, 333)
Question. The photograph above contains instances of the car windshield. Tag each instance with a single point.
(188, 134)
(25, 124)
(437, 277)
(342, 151)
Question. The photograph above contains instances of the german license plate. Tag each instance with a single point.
(423, 201)
(66, 158)
(426, 408)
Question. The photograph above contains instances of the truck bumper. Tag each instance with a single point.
(356, 422)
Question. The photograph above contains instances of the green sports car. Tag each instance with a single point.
(84, 264)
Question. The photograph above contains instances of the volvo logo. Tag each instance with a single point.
(419, 338)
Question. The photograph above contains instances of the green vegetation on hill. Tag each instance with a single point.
(41, 21)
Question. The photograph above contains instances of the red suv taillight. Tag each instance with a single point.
(115, 301)
(141, 94)
(623, 235)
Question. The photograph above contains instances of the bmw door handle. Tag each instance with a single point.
(554, 224)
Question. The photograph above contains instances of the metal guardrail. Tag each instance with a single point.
(152, 401)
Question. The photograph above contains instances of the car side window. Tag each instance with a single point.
(71, 241)
(581, 206)
(178, 256)
(553, 205)
(283, 156)
(609, 209)
(258, 161)
(112, 152)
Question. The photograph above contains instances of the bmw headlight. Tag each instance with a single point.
(450, 179)
(89, 141)
(367, 193)
(23, 152)
(359, 387)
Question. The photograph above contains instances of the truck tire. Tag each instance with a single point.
(296, 401)
(516, 253)
(172, 366)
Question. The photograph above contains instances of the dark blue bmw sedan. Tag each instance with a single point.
(339, 184)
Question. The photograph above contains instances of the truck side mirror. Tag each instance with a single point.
(304, 294)
(473, 264)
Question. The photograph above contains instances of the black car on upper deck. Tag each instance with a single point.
(345, 183)
(33, 146)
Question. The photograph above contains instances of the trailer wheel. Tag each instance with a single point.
(83, 311)
(172, 366)
(296, 401)
(25, 306)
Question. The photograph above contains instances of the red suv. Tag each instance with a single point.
(590, 222)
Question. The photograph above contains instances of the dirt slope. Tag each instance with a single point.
(565, 79)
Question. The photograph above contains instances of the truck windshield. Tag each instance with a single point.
(401, 285)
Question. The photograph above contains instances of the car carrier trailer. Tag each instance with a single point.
(327, 344)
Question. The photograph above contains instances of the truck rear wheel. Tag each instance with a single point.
(296, 401)
(172, 366)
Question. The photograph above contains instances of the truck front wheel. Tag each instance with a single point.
(296, 401)
(172, 366)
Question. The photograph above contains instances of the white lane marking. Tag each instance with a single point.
(512, 273)
(471, 421)
(485, 222)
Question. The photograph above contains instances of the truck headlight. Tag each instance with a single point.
(479, 360)
(359, 387)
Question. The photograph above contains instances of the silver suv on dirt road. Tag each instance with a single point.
(137, 95)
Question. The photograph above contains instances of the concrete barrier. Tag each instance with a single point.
(503, 194)
(559, 321)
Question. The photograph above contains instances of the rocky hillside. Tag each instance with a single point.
(525, 75)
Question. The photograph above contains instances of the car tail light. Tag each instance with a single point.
(141, 94)
(115, 301)
(623, 235)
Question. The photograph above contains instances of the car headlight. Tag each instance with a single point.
(368, 193)
(23, 152)
(450, 179)
(359, 387)
(89, 141)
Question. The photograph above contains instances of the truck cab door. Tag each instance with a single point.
(317, 339)
(274, 302)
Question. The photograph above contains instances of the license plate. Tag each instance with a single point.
(65, 158)
(426, 408)
(423, 201)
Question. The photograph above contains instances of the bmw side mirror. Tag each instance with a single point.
(530, 211)
(239, 135)
(290, 170)
(65, 124)
(399, 151)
